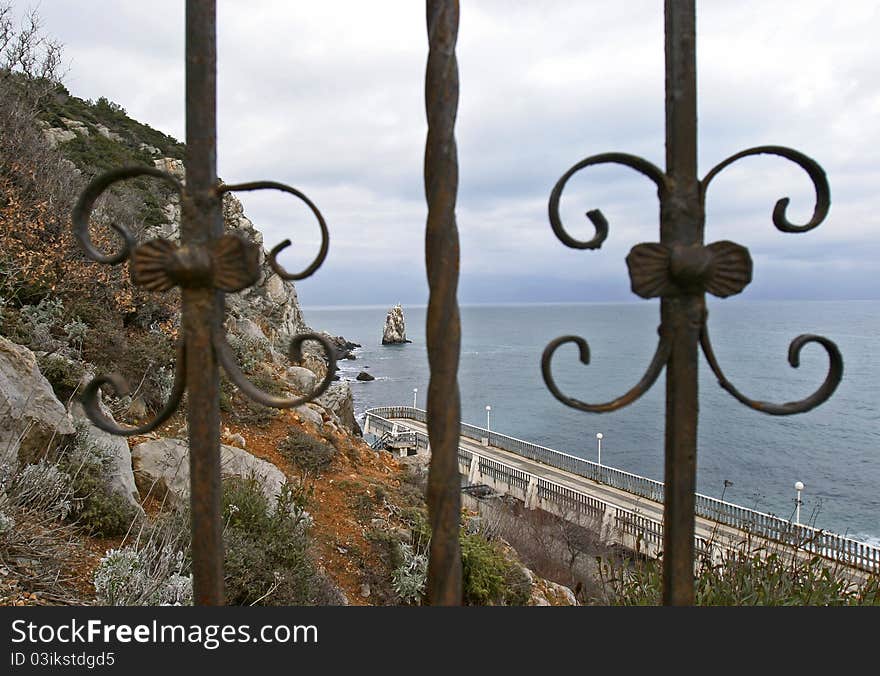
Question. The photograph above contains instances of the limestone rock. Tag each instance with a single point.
(147, 148)
(172, 166)
(162, 467)
(76, 126)
(308, 414)
(32, 420)
(338, 401)
(302, 379)
(233, 438)
(547, 593)
(395, 327)
(106, 133)
(343, 347)
(120, 478)
(56, 135)
(271, 303)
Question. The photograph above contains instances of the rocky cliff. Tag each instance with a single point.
(311, 514)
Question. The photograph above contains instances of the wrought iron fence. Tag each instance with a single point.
(679, 269)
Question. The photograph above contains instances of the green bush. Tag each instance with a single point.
(489, 577)
(748, 578)
(93, 505)
(104, 513)
(63, 374)
(311, 455)
(267, 558)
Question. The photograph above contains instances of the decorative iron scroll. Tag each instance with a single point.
(722, 269)
(680, 270)
(229, 264)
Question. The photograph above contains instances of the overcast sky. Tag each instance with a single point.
(328, 97)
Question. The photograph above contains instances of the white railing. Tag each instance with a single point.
(830, 545)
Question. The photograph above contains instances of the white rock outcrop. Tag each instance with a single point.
(161, 468)
(272, 302)
(56, 135)
(395, 327)
(339, 403)
(301, 379)
(547, 593)
(32, 420)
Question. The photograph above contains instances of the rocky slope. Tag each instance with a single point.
(339, 521)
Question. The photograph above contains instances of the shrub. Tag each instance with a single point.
(63, 374)
(103, 512)
(250, 352)
(41, 487)
(127, 577)
(746, 578)
(311, 455)
(7, 523)
(409, 578)
(489, 577)
(267, 560)
(153, 570)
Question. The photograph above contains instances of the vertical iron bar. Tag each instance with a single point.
(681, 225)
(202, 307)
(443, 324)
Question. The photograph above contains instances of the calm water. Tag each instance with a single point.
(834, 450)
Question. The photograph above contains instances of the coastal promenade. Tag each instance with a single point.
(626, 508)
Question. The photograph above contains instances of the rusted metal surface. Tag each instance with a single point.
(680, 269)
(443, 329)
(205, 265)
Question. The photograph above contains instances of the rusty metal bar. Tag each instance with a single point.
(205, 265)
(443, 329)
(202, 307)
(681, 225)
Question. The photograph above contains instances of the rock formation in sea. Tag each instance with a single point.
(395, 327)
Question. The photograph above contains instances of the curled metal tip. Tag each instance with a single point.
(832, 379)
(814, 171)
(661, 356)
(85, 204)
(272, 258)
(595, 216)
(92, 406)
(226, 357)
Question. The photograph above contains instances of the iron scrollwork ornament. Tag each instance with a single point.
(229, 264)
(722, 269)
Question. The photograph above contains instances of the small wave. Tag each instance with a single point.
(871, 540)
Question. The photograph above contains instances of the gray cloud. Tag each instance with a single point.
(330, 98)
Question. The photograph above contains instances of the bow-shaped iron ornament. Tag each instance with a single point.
(722, 269)
(229, 264)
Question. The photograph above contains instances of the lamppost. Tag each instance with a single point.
(599, 438)
(798, 486)
(488, 413)
(415, 396)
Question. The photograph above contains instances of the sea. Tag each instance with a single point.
(749, 458)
